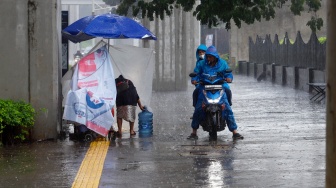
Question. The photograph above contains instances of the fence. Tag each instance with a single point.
(298, 54)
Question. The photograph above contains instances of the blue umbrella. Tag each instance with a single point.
(109, 26)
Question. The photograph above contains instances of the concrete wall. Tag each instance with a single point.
(259, 70)
(269, 72)
(30, 68)
(290, 77)
(279, 74)
(243, 67)
(283, 22)
(178, 37)
(14, 69)
(252, 67)
(303, 75)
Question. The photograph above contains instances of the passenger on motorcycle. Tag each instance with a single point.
(213, 64)
(200, 55)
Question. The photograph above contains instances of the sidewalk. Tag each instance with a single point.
(284, 146)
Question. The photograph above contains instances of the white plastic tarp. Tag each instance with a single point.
(134, 63)
(137, 65)
(93, 92)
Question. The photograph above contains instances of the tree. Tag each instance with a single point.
(213, 12)
(331, 96)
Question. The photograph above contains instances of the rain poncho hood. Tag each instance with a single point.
(200, 47)
(212, 51)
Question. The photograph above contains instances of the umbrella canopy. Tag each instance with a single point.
(109, 26)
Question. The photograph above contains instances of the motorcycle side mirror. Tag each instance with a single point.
(192, 74)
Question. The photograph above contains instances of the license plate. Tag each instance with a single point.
(213, 87)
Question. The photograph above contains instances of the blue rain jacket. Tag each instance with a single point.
(198, 58)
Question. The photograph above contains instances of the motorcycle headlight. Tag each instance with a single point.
(213, 100)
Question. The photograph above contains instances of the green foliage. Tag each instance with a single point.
(226, 57)
(315, 23)
(290, 40)
(297, 6)
(213, 12)
(322, 39)
(314, 5)
(16, 118)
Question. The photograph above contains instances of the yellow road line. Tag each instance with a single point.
(92, 165)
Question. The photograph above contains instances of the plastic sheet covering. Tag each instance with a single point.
(134, 63)
(93, 92)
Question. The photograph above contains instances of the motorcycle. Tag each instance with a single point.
(213, 103)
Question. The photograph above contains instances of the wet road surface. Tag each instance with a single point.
(284, 146)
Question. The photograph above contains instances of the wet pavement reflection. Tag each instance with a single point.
(284, 143)
(284, 146)
(41, 164)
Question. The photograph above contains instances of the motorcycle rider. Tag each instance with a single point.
(213, 64)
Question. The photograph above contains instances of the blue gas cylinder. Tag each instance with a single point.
(145, 122)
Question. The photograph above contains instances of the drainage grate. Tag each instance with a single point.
(204, 150)
(199, 152)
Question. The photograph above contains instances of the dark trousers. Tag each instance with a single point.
(195, 96)
(229, 95)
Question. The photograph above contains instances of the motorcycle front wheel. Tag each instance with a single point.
(214, 126)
